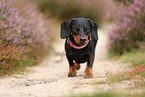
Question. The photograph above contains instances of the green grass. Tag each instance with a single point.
(103, 94)
(136, 57)
(18, 68)
(111, 94)
(136, 70)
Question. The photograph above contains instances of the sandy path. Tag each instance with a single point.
(50, 77)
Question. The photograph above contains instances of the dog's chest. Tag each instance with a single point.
(78, 55)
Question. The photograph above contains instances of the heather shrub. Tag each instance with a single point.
(125, 1)
(23, 35)
(9, 57)
(129, 27)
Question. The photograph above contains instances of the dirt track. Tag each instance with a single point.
(49, 78)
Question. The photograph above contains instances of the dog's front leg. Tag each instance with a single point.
(88, 71)
(72, 70)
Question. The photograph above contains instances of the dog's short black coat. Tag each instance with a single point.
(79, 31)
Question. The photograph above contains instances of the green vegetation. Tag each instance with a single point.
(136, 71)
(111, 94)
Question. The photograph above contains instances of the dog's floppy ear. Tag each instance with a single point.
(94, 29)
(65, 29)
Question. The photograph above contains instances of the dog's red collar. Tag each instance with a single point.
(75, 46)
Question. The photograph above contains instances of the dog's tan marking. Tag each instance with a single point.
(88, 72)
(77, 38)
(72, 71)
(87, 37)
(77, 66)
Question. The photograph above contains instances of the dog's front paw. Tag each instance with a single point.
(88, 72)
(88, 76)
(72, 71)
(71, 75)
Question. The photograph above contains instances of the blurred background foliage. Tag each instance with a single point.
(125, 1)
(96, 10)
(126, 17)
(128, 29)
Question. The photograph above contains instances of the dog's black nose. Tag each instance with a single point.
(83, 39)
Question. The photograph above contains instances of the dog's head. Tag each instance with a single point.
(80, 28)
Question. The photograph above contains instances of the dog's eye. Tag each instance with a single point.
(76, 29)
(87, 29)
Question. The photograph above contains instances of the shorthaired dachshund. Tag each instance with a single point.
(81, 39)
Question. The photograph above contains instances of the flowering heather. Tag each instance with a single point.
(129, 27)
(23, 29)
(9, 58)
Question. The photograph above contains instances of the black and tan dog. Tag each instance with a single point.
(81, 39)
